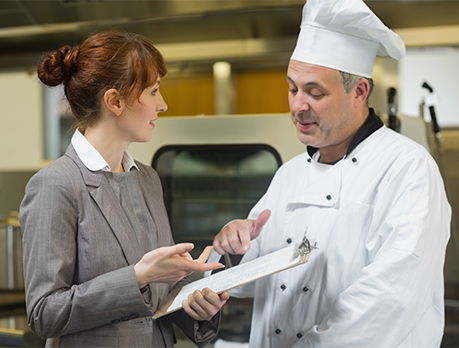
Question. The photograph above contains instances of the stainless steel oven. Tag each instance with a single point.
(205, 186)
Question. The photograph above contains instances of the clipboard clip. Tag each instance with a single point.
(228, 263)
(303, 248)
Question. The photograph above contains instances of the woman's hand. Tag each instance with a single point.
(203, 305)
(171, 264)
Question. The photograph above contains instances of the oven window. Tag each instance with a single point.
(206, 186)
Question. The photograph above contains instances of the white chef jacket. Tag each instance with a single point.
(381, 220)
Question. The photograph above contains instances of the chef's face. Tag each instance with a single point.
(321, 110)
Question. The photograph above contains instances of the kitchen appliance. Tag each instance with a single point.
(11, 273)
(205, 186)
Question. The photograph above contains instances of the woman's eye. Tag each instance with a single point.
(154, 91)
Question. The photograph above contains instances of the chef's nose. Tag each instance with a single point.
(298, 103)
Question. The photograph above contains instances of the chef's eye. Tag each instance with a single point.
(315, 93)
(292, 89)
(154, 91)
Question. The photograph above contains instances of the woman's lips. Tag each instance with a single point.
(152, 122)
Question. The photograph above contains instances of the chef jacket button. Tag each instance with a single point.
(329, 197)
(278, 331)
(115, 321)
(289, 240)
(283, 286)
(306, 289)
(354, 159)
(309, 160)
(124, 318)
(299, 335)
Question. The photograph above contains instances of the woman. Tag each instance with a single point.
(98, 250)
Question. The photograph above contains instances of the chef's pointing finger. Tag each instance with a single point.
(261, 220)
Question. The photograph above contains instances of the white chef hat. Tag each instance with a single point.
(344, 35)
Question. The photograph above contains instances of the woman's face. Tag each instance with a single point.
(138, 120)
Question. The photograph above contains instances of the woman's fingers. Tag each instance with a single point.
(178, 249)
(201, 267)
(194, 305)
(199, 264)
(187, 256)
(204, 255)
(203, 305)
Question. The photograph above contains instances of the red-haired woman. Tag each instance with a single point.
(98, 251)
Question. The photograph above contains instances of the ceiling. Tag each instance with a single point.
(267, 29)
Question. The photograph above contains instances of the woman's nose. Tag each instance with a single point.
(162, 106)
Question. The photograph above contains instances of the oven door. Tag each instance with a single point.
(206, 186)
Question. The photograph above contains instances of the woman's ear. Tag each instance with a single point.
(113, 102)
(361, 92)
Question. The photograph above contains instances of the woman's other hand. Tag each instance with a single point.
(203, 305)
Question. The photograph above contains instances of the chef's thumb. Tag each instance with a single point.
(259, 223)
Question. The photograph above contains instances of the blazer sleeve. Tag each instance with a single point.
(57, 306)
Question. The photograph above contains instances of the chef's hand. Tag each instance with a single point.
(235, 238)
(171, 264)
(203, 305)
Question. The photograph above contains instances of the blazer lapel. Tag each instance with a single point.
(100, 190)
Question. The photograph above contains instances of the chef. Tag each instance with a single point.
(373, 200)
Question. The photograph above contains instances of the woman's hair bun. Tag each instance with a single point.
(57, 67)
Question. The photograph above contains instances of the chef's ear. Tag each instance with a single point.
(114, 102)
(361, 90)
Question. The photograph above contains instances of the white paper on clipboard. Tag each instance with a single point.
(261, 267)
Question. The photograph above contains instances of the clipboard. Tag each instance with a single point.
(266, 265)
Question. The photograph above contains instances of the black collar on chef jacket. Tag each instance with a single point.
(371, 125)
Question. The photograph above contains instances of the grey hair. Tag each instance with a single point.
(349, 81)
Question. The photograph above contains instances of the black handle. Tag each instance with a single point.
(426, 85)
(392, 109)
(391, 92)
(433, 116)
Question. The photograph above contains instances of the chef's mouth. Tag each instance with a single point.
(305, 122)
(305, 126)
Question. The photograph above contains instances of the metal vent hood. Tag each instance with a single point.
(248, 33)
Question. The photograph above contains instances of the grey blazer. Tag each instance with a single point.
(79, 254)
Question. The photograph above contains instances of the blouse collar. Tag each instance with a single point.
(92, 159)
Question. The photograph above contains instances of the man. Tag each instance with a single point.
(373, 201)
